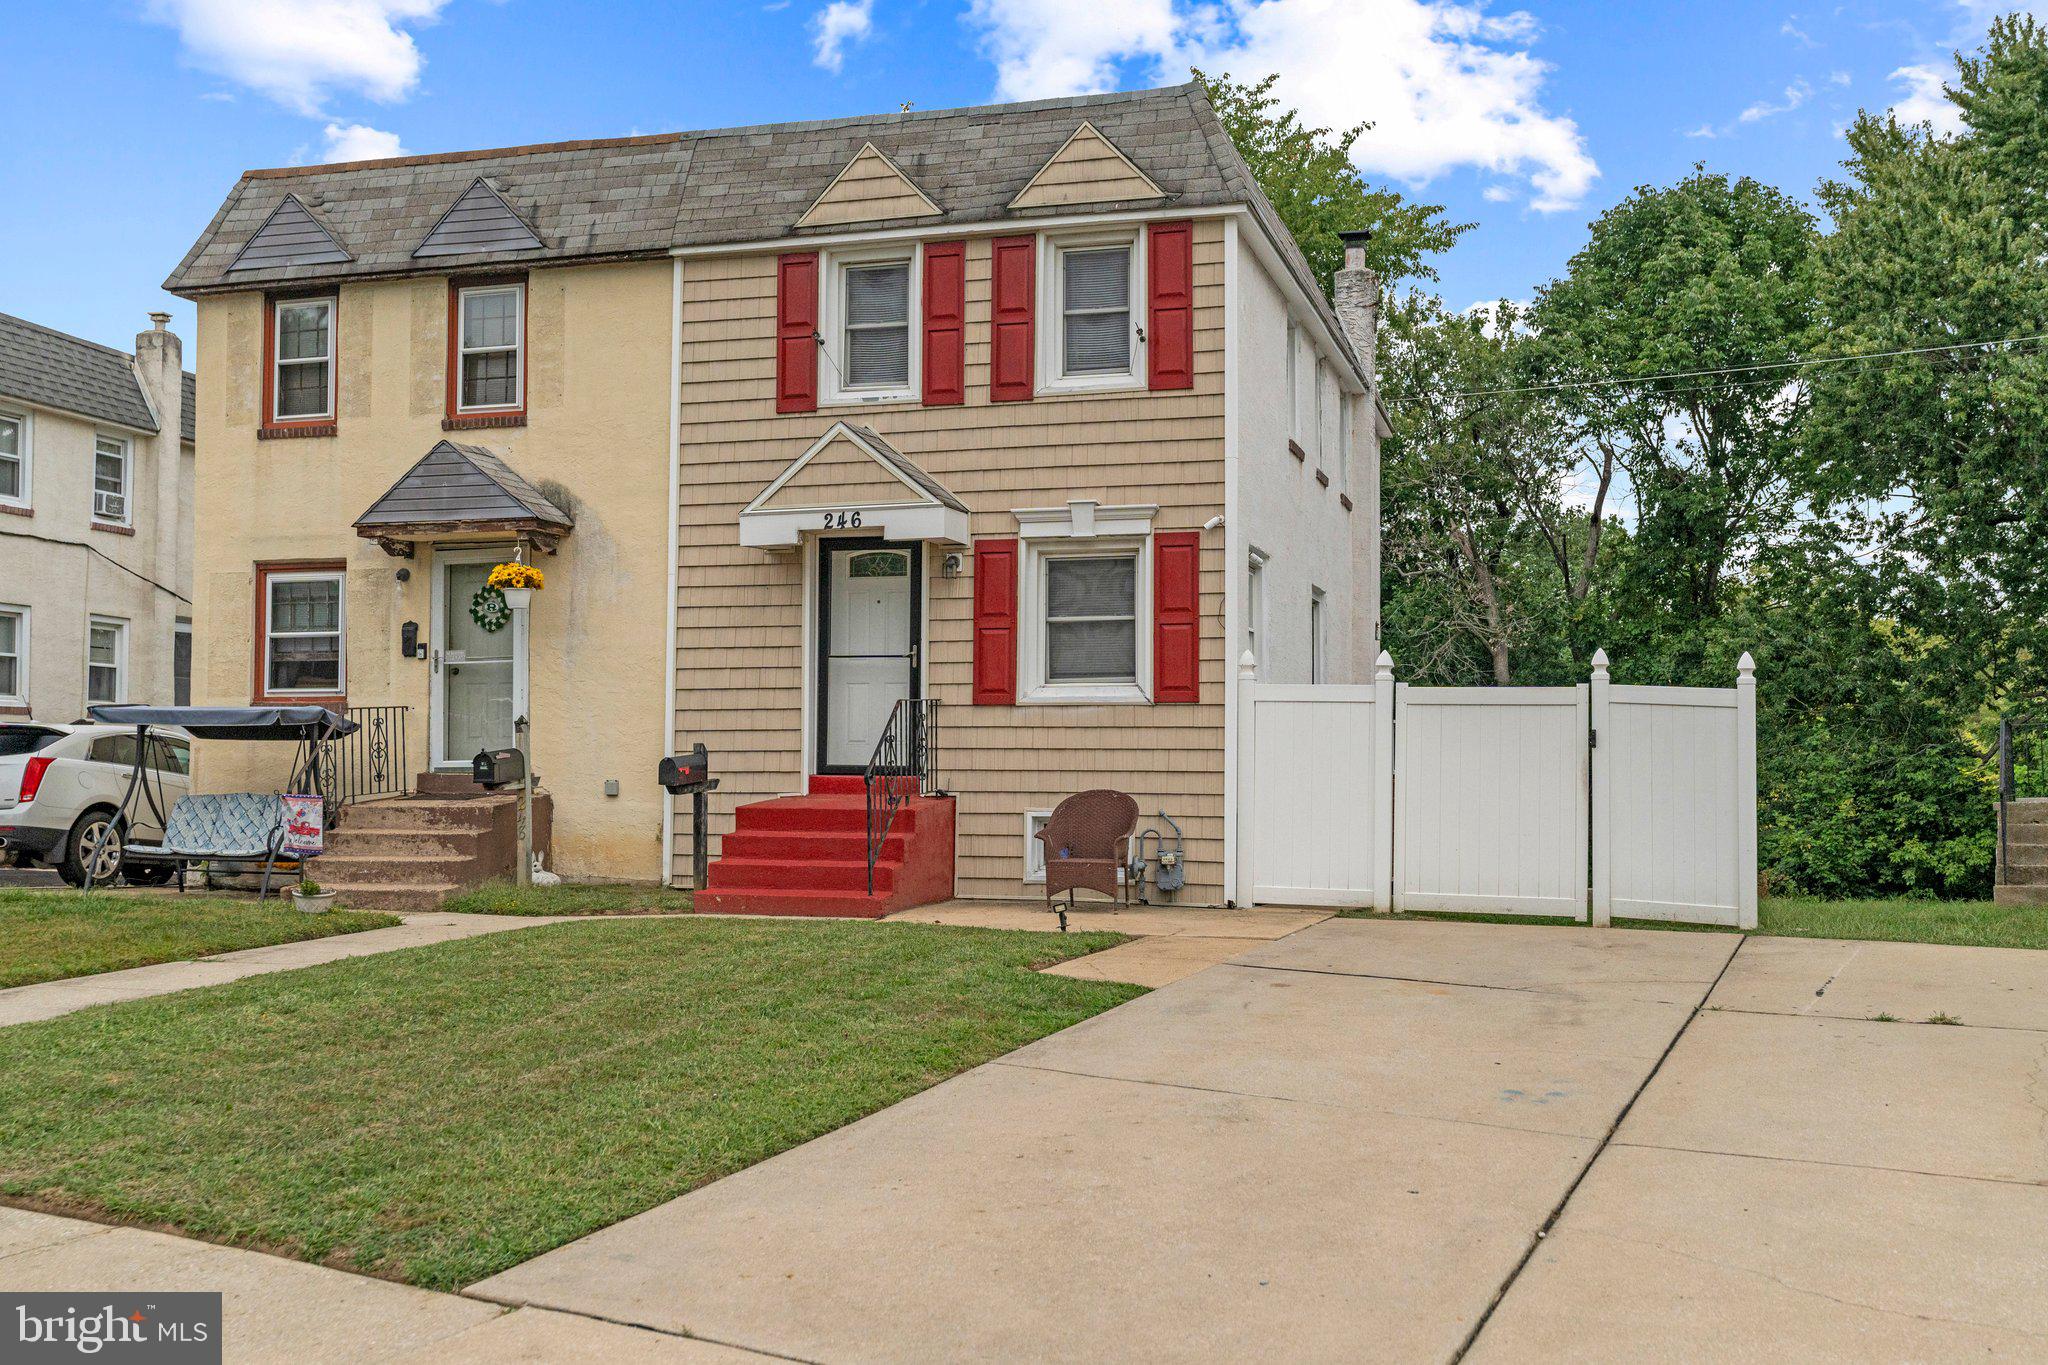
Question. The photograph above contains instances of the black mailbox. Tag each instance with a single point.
(688, 772)
(498, 767)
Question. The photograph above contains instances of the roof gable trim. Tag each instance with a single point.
(478, 222)
(1081, 145)
(290, 236)
(839, 202)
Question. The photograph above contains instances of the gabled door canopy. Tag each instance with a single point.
(460, 491)
(850, 472)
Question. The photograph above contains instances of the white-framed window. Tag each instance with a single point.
(1085, 604)
(1034, 847)
(1092, 302)
(302, 376)
(1255, 609)
(1293, 382)
(1321, 449)
(490, 348)
(181, 663)
(110, 480)
(304, 626)
(14, 655)
(1318, 645)
(14, 458)
(1347, 406)
(106, 660)
(868, 317)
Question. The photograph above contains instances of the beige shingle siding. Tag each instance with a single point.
(1088, 170)
(740, 625)
(869, 190)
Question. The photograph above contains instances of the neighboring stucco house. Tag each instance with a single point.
(96, 486)
(1032, 411)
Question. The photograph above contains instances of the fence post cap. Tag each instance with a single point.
(1599, 663)
(1745, 667)
(1247, 662)
(1383, 667)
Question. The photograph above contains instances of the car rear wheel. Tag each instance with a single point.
(96, 829)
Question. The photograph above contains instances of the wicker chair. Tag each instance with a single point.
(1085, 845)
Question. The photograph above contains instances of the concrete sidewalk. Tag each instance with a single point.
(50, 999)
(1343, 1143)
(1170, 942)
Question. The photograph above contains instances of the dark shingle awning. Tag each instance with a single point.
(458, 489)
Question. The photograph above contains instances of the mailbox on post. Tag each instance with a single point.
(498, 768)
(690, 774)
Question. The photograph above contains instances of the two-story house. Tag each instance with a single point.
(96, 486)
(1014, 425)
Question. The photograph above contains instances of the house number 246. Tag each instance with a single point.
(841, 521)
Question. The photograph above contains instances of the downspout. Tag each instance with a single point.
(675, 492)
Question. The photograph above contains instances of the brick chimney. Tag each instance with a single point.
(1358, 301)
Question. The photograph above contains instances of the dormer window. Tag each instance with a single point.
(490, 348)
(870, 346)
(302, 360)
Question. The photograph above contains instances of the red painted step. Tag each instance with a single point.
(807, 855)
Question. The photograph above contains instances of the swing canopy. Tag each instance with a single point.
(299, 724)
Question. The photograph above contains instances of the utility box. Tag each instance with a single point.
(498, 768)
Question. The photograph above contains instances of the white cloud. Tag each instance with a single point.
(1498, 194)
(1706, 130)
(836, 25)
(1445, 83)
(1924, 101)
(355, 142)
(300, 52)
(1796, 94)
(1790, 29)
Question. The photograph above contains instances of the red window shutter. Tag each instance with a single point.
(995, 622)
(945, 323)
(1013, 361)
(1170, 339)
(1176, 616)
(796, 325)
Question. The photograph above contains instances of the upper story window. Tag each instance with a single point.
(302, 362)
(870, 345)
(14, 459)
(110, 480)
(1092, 309)
(301, 632)
(490, 348)
(1293, 382)
(1321, 412)
(1346, 405)
(106, 660)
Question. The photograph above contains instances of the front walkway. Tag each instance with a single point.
(49, 999)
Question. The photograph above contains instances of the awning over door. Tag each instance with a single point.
(851, 478)
(457, 491)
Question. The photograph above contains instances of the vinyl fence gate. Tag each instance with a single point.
(1584, 802)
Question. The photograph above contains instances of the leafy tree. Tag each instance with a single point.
(1308, 176)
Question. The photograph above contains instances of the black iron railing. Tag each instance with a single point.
(2022, 774)
(370, 762)
(903, 766)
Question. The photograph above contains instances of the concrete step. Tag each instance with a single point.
(451, 786)
(2016, 874)
(844, 846)
(2017, 834)
(2021, 895)
(415, 812)
(824, 814)
(739, 874)
(400, 870)
(418, 841)
(366, 896)
(2022, 853)
(2028, 810)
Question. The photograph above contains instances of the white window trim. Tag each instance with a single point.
(1255, 607)
(339, 578)
(1080, 529)
(1345, 403)
(127, 517)
(19, 697)
(1034, 849)
(1052, 341)
(1293, 382)
(277, 362)
(517, 289)
(833, 390)
(1318, 635)
(1322, 446)
(120, 628)
(25, 425)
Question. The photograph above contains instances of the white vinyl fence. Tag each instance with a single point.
(1587, 801)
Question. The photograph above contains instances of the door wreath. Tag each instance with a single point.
(489, 610)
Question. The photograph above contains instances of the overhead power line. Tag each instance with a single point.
(1575, 384)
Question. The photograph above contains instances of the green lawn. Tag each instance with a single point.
(47, 935)
(440, 1114)
(503, 898)
(1967, 923)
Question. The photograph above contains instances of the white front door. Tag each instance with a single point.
(868, 660)
(479, 675)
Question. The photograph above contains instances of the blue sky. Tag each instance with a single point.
(128, 121)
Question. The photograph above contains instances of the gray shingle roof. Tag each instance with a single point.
(643, 196)
(459, 483)
(291, 235)
(909, 470)
(480, 221)
(53, 369)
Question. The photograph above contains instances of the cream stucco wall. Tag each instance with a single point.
(597, 439)
(63, 571)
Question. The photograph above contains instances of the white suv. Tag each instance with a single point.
(61, 788)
